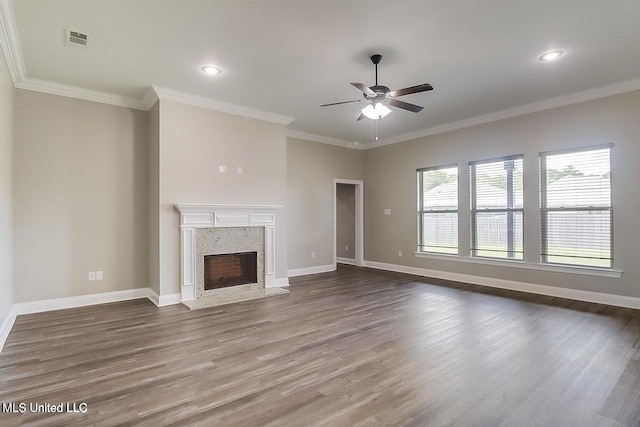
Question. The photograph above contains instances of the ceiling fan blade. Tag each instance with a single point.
(360, 117)
(413, 89)
(405, 105)
(338, 103)
(364, 88)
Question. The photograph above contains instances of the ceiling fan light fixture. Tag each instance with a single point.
(375, 112)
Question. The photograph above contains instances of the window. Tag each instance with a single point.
(496, 208)
(438, 209)
(575, 207)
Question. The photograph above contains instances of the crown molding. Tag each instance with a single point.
(10, 45)
(225, 107)
(323, 139)
(150, 98)
(9, 42)
(561, 101)
(80, 93)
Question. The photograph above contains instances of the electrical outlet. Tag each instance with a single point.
(399, 253)
(313, 254)
(387, 211)
(99, 275)
(92, 276)
(222, 168)
(346, 248)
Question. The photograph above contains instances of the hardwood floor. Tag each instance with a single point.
(356, 347)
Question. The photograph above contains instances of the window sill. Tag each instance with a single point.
(587, 271)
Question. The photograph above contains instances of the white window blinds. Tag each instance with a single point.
(575, 207)
(438, 209)
(497, 208)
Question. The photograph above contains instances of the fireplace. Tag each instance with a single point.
(224, 270)
(210, 232)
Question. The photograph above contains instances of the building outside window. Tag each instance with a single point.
(438, 209)
(575, 207)
(497, 208)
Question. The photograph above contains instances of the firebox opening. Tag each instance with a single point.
(221, 271)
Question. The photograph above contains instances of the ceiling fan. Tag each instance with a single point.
(378, 97)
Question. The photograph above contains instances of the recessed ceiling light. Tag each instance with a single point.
(551, 56)
(211, 70)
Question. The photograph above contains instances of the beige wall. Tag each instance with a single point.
(6, 204)
(345, 220)
(193, 142)
(153, 197)
(311, 169)
(391, 183)
(80, 195)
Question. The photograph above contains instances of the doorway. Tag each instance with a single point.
(348, 222)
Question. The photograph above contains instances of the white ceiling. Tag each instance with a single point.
(289, 56)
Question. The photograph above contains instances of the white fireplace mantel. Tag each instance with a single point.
(193, 216)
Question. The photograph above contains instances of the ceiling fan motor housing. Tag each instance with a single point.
(382, 92)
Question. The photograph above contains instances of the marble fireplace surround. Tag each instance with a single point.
(214, 229)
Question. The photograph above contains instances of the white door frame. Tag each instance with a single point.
(359, 238)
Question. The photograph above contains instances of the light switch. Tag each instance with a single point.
(239, 170)
(222, 168)
(99, 275)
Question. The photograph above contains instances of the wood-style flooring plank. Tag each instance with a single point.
(355, 347)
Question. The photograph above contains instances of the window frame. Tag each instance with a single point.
(421, 211)
(544, 209)
(473, 210)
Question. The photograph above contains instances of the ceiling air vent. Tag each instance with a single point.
(76, 39)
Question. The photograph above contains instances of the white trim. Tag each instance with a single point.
(359, 219)
(311, 270)
(76, 92)
(554, 291)
(194, 216)
(350, 261)
(82, 301)
(280, 283)
(560, 101)
(153, 297)
(7, 324)
(9, 42)
(169, 299)
(323, 139)
(163, 300)
(79, 301)
(150, 98)
(571, 269)
(187, 208)
(225, 107)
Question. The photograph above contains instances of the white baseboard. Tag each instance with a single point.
(7, 324)
(153, 297)
(350, 261)
(280, 283)
(554, 291)
(163, 300)
(68, 302)
(311, 270)
(79, 301)
(170, 299)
